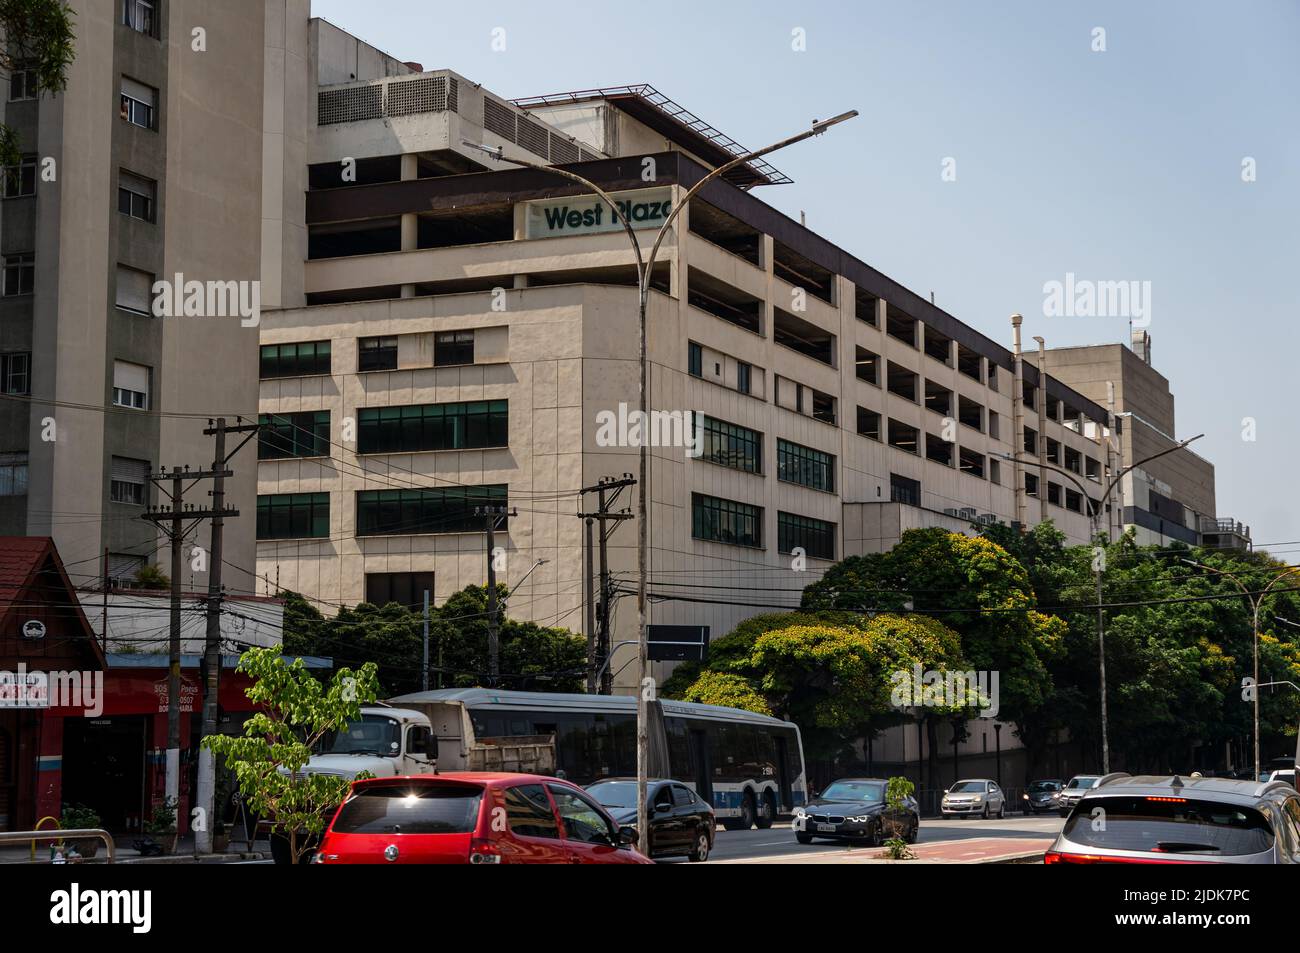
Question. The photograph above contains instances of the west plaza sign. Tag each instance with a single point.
(588, 214)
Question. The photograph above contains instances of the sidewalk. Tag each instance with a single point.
(127, 854)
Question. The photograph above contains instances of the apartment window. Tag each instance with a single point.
(128, 479)
(16, 373)
(726, 521)
(730, 445)
(1073, 500)
(1092, 469)
(285, 436)
(903, 490)
(823, 406)
(139, 103)
(805, 466)
(744, 377)
(970, 413)
(868, 423)
(404, 588)
(899, 380)
(134, 290)
(451, 348)
(994, 427)
(695, 360)
(306, 359)
(293, 516)
(472, 425)
(422, 512)
(136, 196)
(19, 181)
(1054, 493)
(13, 473)
(19, 274)
(1031, 441)
(141, 16)
(123, 568)
(904, 436)
(377, 354)
(130, 385)
(1031, 485)
(995, 473)
(814, 537)
(23, 84)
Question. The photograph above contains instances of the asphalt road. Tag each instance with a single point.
(779, 840)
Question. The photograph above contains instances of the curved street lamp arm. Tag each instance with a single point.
(627, 226)
(817, 129)
(1125, 471)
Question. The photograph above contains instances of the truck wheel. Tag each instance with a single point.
(803, 838)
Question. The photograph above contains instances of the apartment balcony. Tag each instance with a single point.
(1224, 533)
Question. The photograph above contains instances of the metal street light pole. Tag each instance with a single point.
(1256, 600)
(645, 268)
(1094, 519)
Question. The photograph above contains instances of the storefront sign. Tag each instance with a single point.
(590, 215)
(189, 694)
(24, 689)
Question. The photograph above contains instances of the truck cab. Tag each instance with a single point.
(387, 742)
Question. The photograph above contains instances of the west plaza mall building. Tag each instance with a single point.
(449, 332)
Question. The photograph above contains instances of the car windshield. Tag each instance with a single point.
(872, 791)
(1168, 825)
(962, 787)
(396, 809)
(1037, 787)
(614, 793)
(1082, 782)
(370, 734)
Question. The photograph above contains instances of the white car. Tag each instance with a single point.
(973, 796)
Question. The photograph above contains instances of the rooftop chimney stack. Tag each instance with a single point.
(1141, 343)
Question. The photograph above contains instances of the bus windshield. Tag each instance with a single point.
(370, 734)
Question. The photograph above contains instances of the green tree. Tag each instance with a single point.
(976, 588)
(37, 37)
(832, 673)
(294, 712)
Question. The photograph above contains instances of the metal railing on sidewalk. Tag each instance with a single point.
(20, 837)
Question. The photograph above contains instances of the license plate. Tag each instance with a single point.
(826, 827)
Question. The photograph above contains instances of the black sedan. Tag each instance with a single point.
(855, 809)
(1042, 796)
(681, 824)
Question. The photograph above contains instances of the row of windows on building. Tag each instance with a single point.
(714, 519)
(741, 448)
(313, 358)
(464, 425)
(381, 512)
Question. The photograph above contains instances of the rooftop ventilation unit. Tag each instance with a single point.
(950, 511)
(967, 513)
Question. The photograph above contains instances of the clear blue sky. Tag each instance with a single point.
(1115, 165)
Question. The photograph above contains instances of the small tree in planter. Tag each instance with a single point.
(78, 817)
(295, 711)
(162, 825)
(897, 792)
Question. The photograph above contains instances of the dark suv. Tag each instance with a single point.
(1175, 820)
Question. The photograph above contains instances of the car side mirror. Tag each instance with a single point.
(663, 808)
(627, 836)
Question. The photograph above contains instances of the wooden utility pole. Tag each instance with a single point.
(607, 491)
(492, 514)
(212, 641)
(171, 520)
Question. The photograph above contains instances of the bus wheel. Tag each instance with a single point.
(748, 813)
(767, 817)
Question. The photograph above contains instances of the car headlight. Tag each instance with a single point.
(860, 819)
(799, 812)
(978, 798)
(1025, 796)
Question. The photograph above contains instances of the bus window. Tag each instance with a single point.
(679, 752)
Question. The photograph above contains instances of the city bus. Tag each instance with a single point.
(749, 767)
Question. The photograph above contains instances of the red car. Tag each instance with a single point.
(473, 818)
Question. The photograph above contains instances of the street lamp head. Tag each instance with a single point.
(821, 125)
